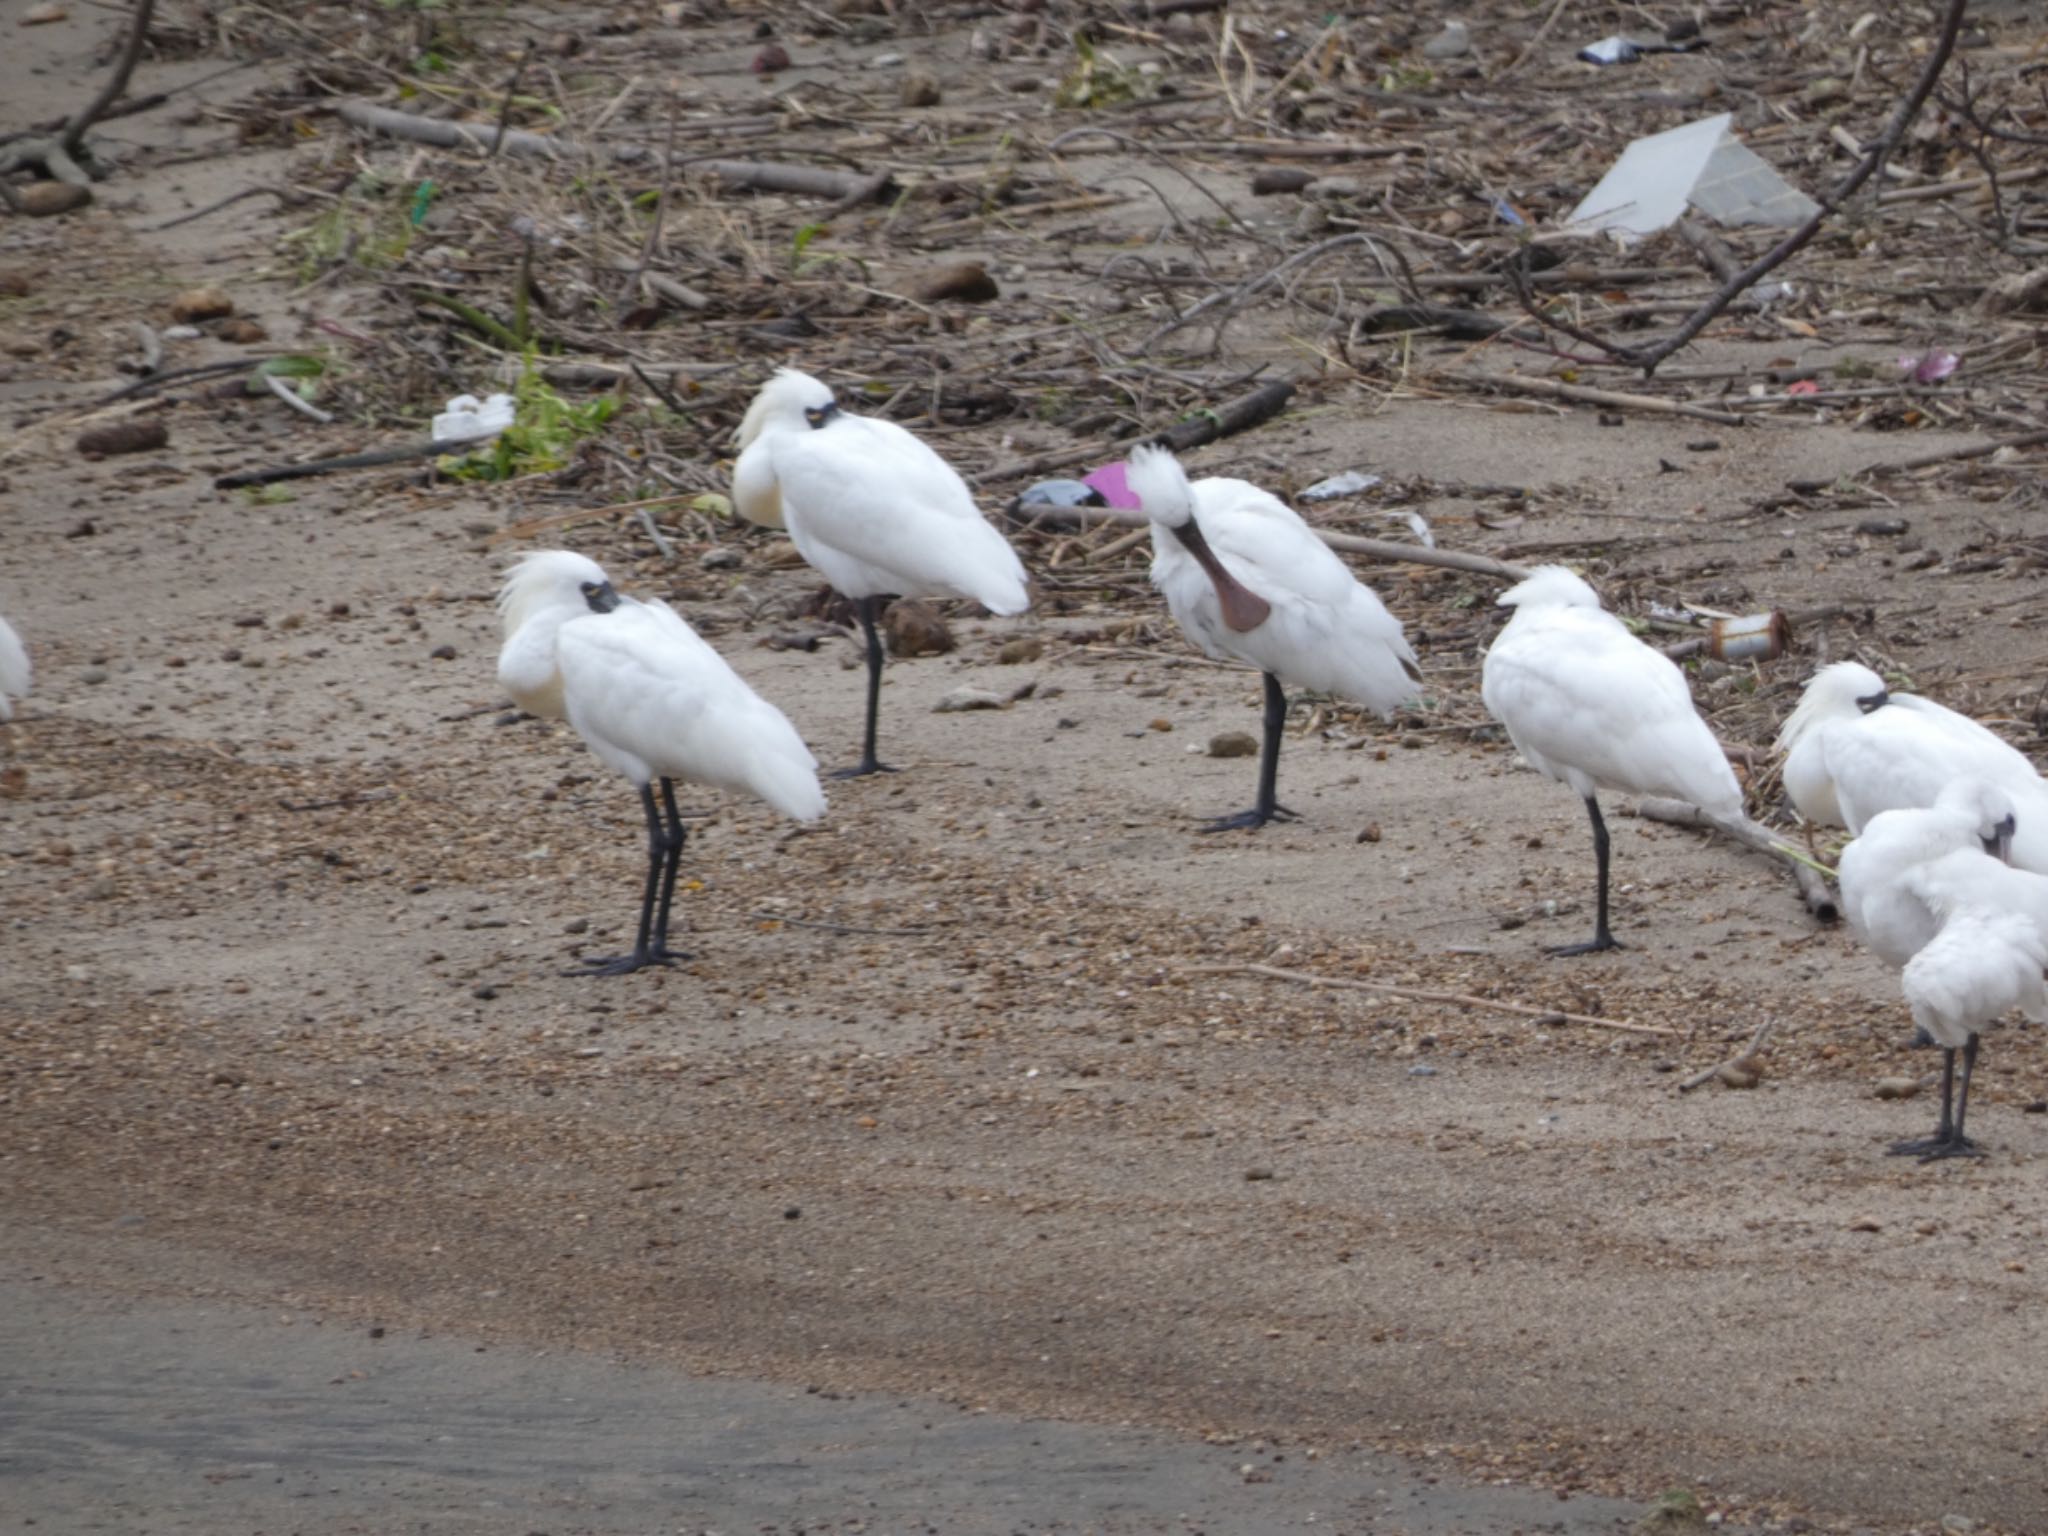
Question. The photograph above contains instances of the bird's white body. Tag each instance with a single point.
(1591, 706)
(1883, 906)
(1847, 762)
(15, 672)
(870, 506)
(1990, 951)
(644, 690)
(1326, 630)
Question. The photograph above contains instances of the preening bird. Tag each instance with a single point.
(1588, 704)
(1249, 581)
(653, 701)
(15, 672)
(1854, 749)
(873, 509)
(1987, 957)
(1882, 908)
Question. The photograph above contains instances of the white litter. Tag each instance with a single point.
(1350, 483)
(466, 419)
(1700, 165)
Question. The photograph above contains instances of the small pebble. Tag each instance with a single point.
(1897, 1087)
(196, 304)
(967, 697)
(1232, 744)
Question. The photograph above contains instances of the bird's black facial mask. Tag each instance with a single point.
(1874, 701)
(600, 596)
(821, 415)
(1999, 843)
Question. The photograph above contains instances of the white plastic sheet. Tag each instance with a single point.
(1699, 165)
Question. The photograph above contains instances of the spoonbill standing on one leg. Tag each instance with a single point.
(1248, 580)
(651, 699)
(1588, 704)
(14, 670)
(873, 509)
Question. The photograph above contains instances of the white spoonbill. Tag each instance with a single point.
(1249, 581)
(652, 700)
(1588, 704)
(1853, 749)
(15, 672)
(873, 509)
(1882, 908)
(1987, 957)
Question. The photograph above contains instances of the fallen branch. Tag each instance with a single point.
(1240, 415)
(311, 467)
(1517, 384)
(1740, 1059)
(1813, 889)
(60, 155)
(1037, 515)
(295, 400)
(1420, 994)
(757, 175)
(1956, 455)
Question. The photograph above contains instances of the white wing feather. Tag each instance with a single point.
(876, 511)
(653, 699)
(1588, 704)
(15, 672)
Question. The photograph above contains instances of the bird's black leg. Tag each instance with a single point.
(1945, 1131)
(1948, 1139)
(1601, 939)
(675, 836)
(869, 763)
(644, 953)
(1268, 807)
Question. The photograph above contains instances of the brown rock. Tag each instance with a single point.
(196, 304)
(1739, 1074)
(1234, 744)
(967, 281)
(1280, 178)
(920, 89)
(1022, 649)
(1897, 1087)
(771, 60)
(40, 199)
(915, 630)
(123, 437)
(241, 329)
(15, 284)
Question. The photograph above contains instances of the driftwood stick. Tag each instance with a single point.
(312, 467)
(757, 175)
(1421, 994)
(295, 400)
(138, 33)
(1954, 455)
(1813, 889)
(1031, 514)
(1241, 414)
(1558, 389)
(1756, 1043)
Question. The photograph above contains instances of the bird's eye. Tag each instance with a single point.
(589, 587)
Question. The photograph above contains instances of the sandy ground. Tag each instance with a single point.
(945, 1185)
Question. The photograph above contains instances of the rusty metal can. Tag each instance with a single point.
(1754, 637)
